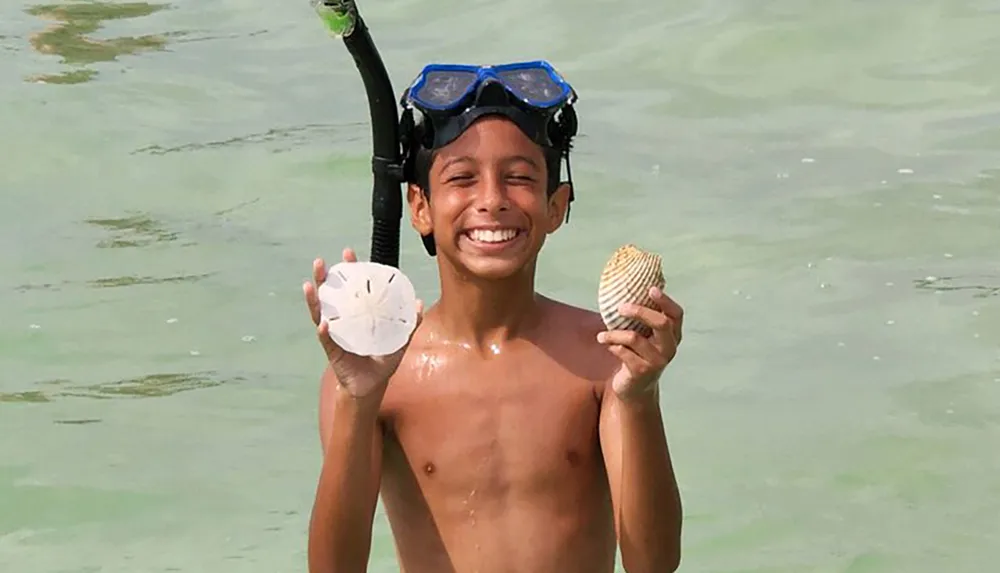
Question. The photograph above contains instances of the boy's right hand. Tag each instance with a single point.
(361, 376)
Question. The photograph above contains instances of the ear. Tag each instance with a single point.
(420, 209)
(558, 204)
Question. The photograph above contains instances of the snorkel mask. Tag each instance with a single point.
(451, 97)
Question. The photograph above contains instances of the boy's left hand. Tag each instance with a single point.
(644, 358)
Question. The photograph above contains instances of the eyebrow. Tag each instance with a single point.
(506, 160)
(521, 159)
(458, 159)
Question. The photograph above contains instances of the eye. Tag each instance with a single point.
(520, 178)
(460, 179)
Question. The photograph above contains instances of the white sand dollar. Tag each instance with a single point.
(371, 308)
(627, 278)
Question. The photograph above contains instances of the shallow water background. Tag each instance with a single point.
(821, 178)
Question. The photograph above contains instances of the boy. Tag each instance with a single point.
(514, 433)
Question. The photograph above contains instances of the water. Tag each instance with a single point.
(820, 176)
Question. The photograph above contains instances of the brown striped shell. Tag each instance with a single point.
(627, 277)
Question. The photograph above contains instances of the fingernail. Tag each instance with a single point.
(602, 336)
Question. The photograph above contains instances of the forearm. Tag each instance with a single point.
(341, 524)
(650, 515)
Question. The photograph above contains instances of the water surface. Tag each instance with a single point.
(821, 178)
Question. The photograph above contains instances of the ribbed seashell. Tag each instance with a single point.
(627, 278)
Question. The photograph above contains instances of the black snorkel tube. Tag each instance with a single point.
(343, 20)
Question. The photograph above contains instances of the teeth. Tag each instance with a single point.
(490, 236)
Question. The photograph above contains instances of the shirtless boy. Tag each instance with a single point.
(515, 433)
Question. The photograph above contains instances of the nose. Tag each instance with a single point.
(492, 195)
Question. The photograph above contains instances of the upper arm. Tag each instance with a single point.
(609, 430)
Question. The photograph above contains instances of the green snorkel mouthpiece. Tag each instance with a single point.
(339, 16)
(342, 20)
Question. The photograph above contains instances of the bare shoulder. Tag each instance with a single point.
(566, 317)
(569, 334)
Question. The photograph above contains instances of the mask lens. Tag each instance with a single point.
(532, 85)
(442, 89)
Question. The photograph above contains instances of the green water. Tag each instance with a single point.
(821, 177)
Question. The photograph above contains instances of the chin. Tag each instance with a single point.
(494, 270)
(497, 261)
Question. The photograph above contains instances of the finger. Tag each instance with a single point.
(349, 255)
(654, 319)
(332, 349)
(633, 341)
(633, 362)
(319, 272)
(665, 331)
(420, 314)
(669, 307)
(312, 301)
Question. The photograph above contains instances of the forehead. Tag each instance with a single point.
(492, 137)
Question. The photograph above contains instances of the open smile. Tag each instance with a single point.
(492, 236)
(493, 241)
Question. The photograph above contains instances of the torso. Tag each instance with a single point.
(494, 464)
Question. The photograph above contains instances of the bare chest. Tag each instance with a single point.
(495, 430)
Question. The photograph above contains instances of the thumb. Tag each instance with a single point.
(420, 314)
(332, 349)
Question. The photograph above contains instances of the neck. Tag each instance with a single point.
(486, 312)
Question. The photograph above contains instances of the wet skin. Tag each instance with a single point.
(497, 443)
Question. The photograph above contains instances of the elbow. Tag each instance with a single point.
(664, 558)
(671, 562)
(668, 564)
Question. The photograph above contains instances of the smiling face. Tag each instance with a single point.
(488, 209)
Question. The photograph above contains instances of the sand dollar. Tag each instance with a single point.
(370, 308)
